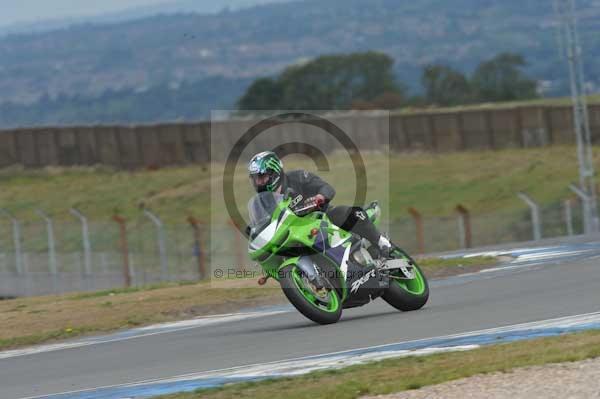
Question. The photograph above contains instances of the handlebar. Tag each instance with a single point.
(313, 205)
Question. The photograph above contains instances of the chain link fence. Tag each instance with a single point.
(446, 233)
(53, 257)
(50, 257)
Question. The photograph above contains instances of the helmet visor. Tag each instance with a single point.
(260, 179)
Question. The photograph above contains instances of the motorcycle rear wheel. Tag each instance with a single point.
(408, 295)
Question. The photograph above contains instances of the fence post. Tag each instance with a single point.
(535, 215)
(16, 229)
(52, 264)
(124, 248)
(238, 245)
(586, 202)
(419, 228)
(432, 133)
(568, 217)
(464, 226)
(162, 244)
(460, 126)
(198, 251)
(87, 248)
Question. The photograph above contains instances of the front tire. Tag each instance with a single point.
(326, 309)
(408, 295)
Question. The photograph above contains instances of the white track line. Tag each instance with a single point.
(556, 254)
(530, 255)
(306, 364)
(140, 333)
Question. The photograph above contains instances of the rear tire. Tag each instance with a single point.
(305, 302)
(408, 295)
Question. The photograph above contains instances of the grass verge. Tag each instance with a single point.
(437, 267)
(483, 181)
(401, 374)
(30, 321)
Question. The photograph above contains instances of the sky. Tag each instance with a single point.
(17, 11)
(20, 11)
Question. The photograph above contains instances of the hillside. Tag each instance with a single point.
(160, 103)
(87, 60)
(85, 14)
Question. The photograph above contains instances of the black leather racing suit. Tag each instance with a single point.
(349, 218)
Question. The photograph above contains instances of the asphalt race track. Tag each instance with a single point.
(546, 284)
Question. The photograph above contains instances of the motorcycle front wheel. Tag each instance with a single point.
(321, 306)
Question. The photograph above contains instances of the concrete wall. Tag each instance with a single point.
(130, 147)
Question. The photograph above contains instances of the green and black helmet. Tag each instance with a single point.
(266, 171)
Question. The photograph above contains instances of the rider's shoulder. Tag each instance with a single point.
(299, 174)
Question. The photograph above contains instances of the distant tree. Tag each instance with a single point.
(417, 101)
(445, 86)
(502, 79)
(328, 82)
(263, 94)
(387, 100)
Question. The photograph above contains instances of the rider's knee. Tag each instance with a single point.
(347, 217)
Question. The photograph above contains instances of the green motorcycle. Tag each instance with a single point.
(323, 269)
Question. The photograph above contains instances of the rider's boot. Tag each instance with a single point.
(387, 249)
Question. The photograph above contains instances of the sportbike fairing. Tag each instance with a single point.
(262, 206)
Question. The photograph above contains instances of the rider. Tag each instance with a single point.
(266, 173)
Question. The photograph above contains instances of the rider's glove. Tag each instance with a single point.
(315, 202)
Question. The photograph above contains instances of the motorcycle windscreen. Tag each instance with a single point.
(261, 207)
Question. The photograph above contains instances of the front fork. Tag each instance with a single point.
(307, 266)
